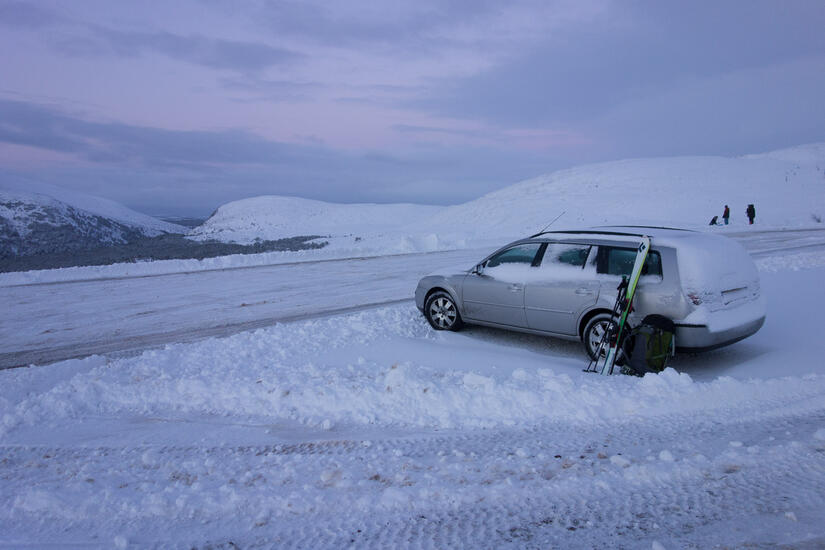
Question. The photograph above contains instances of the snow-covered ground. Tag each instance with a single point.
(299, 400)
(368, 429)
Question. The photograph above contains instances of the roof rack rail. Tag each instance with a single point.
(590, 232)
(595, 230)
(649, 227)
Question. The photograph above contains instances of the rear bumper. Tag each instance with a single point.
(695, 338)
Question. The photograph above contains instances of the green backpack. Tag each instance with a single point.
(649, 346)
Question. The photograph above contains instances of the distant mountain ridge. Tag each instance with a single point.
(34, 223)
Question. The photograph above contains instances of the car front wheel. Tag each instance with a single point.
(442, 312)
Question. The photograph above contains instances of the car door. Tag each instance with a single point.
(565, 286)
(613, 262)
(494, 293)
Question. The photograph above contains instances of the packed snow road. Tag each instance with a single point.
(764, 243)
(53, 321)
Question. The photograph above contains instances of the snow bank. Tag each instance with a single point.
(340, 249)
(313, 373)
(162, 267)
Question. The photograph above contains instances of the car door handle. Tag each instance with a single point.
(515, 288)
(584, 291)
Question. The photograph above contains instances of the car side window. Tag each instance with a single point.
(613, 260)
(558, 255)
(519, 254)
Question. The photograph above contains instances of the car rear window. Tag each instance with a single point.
(614, 260)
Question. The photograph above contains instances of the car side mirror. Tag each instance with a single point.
(478, 269)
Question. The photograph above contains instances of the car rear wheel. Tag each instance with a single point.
(442, 312)
(595, 332)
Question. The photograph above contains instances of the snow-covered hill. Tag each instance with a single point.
(787, 188)
(276, 217)
(36, 223)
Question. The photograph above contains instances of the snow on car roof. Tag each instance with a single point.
(706, 261)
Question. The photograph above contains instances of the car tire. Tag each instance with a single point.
(441, 312)
(593, 333)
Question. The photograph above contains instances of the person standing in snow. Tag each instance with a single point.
(751, 212)
(726, 214)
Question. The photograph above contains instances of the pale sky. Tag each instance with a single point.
(174, 108)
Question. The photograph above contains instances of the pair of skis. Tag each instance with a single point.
(612, 338)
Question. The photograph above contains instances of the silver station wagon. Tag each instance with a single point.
(563, 284)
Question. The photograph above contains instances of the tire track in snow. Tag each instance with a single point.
(546, 486)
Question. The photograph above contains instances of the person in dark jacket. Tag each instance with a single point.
(726, 214)
(751, 212)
